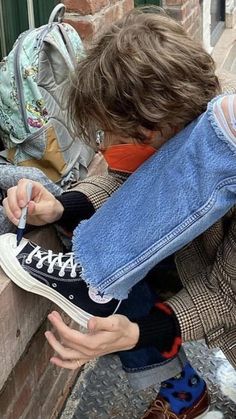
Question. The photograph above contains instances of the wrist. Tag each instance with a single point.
(76, 207)
(133, 333)
(58, 210)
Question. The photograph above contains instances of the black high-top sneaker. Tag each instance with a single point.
(56, 277)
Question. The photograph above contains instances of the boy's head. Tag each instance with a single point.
(144, 73)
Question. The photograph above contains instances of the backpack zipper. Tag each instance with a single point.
(19, 82)
(18, 76)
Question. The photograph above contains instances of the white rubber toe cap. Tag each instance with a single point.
(8, 243)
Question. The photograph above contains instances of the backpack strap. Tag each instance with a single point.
(57, 14)
(68, 44)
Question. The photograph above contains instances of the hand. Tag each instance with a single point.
(105, 336)
(43, 208)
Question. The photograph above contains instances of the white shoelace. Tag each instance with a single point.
(53, 259)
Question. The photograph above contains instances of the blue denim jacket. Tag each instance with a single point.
(173, 197)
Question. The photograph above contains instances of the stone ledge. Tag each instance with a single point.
(21, 314)
(230, 18)
(223, 57)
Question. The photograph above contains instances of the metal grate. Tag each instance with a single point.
(102, 390)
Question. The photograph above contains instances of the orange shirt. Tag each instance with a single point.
(127, 157)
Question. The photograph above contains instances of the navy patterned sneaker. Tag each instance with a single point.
(55, 277)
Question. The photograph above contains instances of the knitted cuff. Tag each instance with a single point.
(77, 207)
(160, 329)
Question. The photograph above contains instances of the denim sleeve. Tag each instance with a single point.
(177, 194)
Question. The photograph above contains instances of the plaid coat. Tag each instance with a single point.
(206, 306)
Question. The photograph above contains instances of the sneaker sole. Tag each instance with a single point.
(23, 279)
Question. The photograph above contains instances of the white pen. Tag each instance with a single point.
(23, 217)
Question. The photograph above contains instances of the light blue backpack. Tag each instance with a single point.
(34, 84)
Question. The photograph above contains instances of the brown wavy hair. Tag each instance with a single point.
(145, 71)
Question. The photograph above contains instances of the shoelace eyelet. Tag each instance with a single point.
(39, 265)
(53, 261)
(61, 274)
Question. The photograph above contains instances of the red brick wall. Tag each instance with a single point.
(35, 388)
(88, 16)
(188, 13)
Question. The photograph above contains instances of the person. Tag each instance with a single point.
(122, 119)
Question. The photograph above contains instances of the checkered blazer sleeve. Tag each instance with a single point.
(206, 307)
(99, 188)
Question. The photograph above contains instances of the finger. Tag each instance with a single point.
(12, 202)
(108, 324)
(62, 351)
(8, 212)
(56, 314)
(12, 209)
(71, 338)
(90, 345)
(86, 350)
(66, 344)
(84, 344)
(65, 332)
(71, 365)
(21, 192)
(31, 208)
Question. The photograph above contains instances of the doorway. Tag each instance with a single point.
(217, 19)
